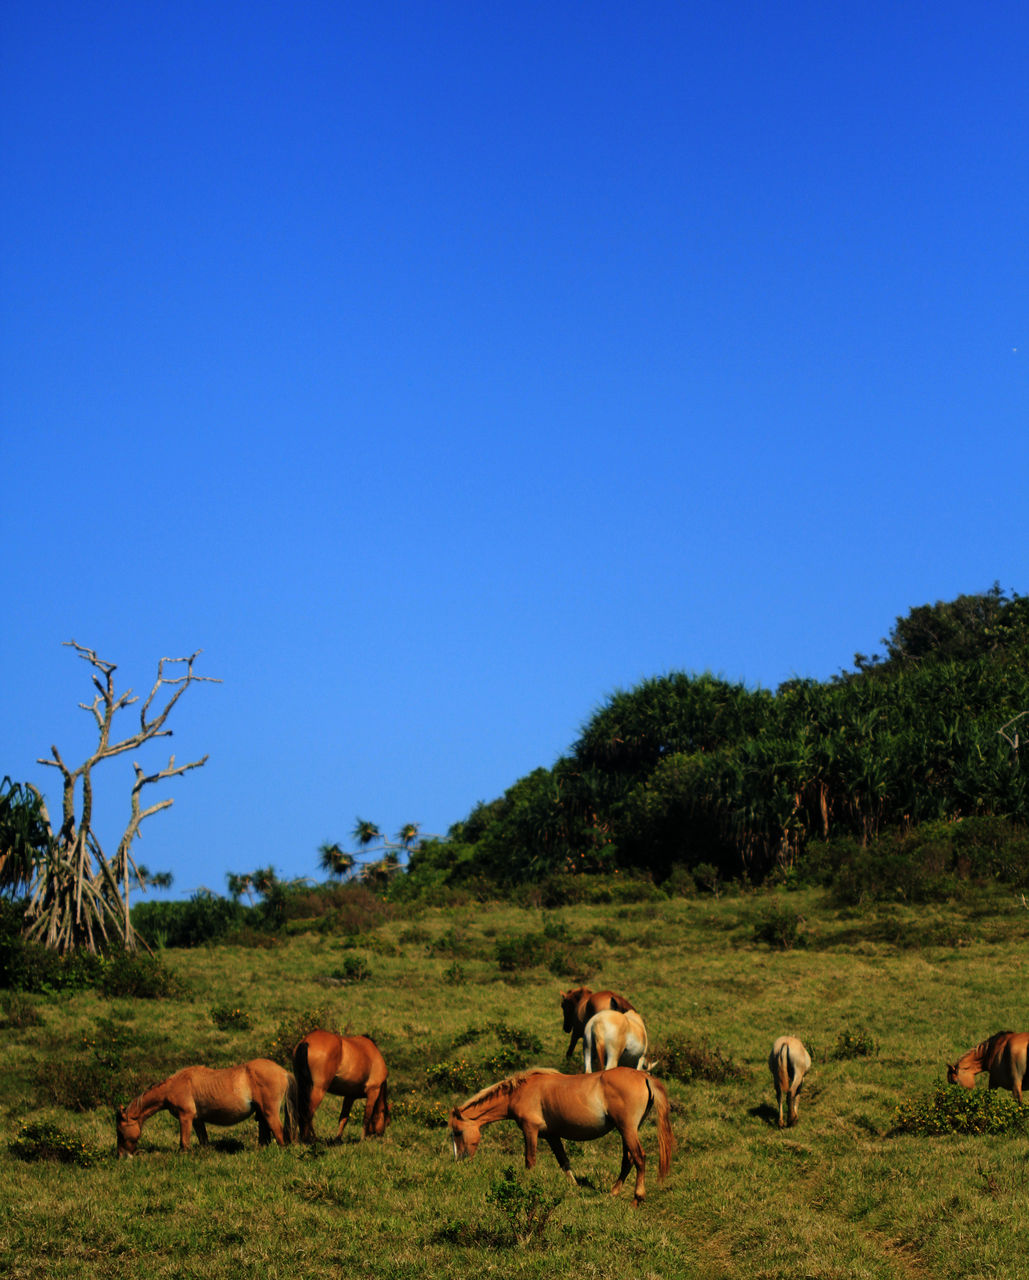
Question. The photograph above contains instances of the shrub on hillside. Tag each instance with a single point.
(205, 917)
(292, 1030)
(952, 1109)
(683, 1060)
(41, 1140)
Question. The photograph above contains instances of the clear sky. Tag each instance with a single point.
(439, 368)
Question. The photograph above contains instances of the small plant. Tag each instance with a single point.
(353, 969)
(706, 877)
(685, 1061)
(525, 1205)
(854, 1044)
(779, 927)
(292, 1030)
(457, 1076)
(955, 1110)
(81, 1084)
(227, 1017)
(40, 1140)
(453, 974)
(515, 1038)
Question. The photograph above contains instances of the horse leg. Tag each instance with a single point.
(531, 1135)
(778, 1098)
(264, 1132)
(557, 1146)
(370, 1108)
(632, 1154)
(576, 1037)
(793, 1113)
(314, 1101)
(344, 1116)
(186, 1119)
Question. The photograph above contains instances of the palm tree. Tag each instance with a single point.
(366, 833)
(333, 860)
(408, 834)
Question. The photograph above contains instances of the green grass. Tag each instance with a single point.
(836, 1197)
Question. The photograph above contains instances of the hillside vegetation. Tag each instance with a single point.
(686, 771)
(883, 997)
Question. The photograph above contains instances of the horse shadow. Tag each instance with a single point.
(766, 1112)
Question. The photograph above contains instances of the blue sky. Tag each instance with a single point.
(440, 368)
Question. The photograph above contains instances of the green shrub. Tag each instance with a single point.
(353, 969)
(81, 1084)
(205, 917)
(292, 1030)
(683, 1060)
(456, 1076)
(854, 1044)
(952, 1109)
(227, 1017)
(779, 926)
(40, 1140)
(526, 1205)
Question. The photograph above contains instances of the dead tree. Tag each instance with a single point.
(80, 896)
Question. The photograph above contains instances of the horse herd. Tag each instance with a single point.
(617, 1089)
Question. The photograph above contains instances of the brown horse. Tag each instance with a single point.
(789, 1062)
(1003, 1055)
(350, 1067)
(614, 1039)
(580, 1005)
(198, 1096)
(547, 1104)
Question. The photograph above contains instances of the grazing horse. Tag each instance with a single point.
(789, 1062)
(1003, 1055)
(350, 1067)
(614, 1039)
(580, 1005)
(547, 1104)
(198, 1096)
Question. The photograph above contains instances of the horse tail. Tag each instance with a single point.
(665, 1137)
(381, 1112)
(292, 1107)
(782, 1068)
(304, 1084)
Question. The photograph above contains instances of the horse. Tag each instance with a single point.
(789, 1062)
(1003, 1055)
(198, 1096)
(580, 1005)
(614, 1039)
(545, 1103)
(350, 1067)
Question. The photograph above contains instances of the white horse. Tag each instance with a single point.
(614, 1039)
(789, 1062)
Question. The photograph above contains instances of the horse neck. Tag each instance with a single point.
(149, 1101)
(484, 1111)
(975, 1059)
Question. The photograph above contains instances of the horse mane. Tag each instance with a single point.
(506, 1086)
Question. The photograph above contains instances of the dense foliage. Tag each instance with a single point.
(696, 774)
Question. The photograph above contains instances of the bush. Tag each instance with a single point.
(205, 917)
(227, 1017)
(456, 1076)
(19, 1011)
(525, 1204)
(952, 1109)
(292, 1030)
(854, 1044)
(779, 927)
(685, 1061)
(81, 1084)
(40, 1140)
(353, 969)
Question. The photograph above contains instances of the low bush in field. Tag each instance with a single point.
(854, 1044)
(292, 1030)
(554, 949)
(40, 1140)
(28, 966)
(19, 1011)
(354, 968)
(955, 1110)
(82, 1083)
(228, 1017)
(205, 917)
(686, 1061)
(779, 927)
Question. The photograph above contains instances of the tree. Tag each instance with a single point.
(24, 839)
(80, 896)
(334, 860)
(366, 833)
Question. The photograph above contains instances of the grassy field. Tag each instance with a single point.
(838, 1196)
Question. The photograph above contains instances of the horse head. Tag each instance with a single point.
(128, 1132)
(570, 1006)
(465, 1135)
(957, 1074)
